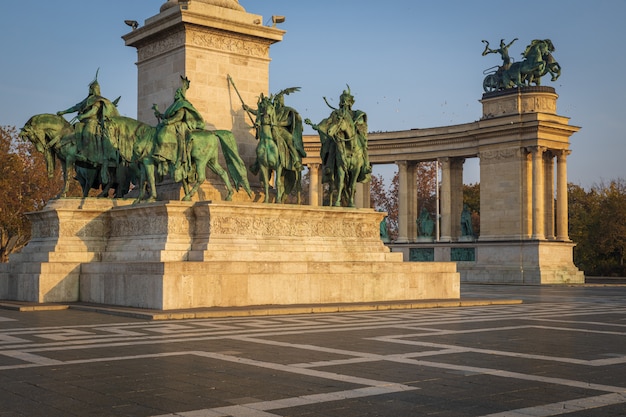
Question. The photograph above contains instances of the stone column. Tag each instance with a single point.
(362, 195)
(527, 195)
(548, 173)
(561, 195)
(538, 193)
(412, 201)
(456, 195)
(445, 201)
(403, 202)
(314, 184)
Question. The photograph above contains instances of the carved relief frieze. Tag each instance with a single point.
(500, 154)
(538, 104)
(162, 45)
(221, 41)
(290, 227)
(136, 225)
(81, 228)
(179, 224)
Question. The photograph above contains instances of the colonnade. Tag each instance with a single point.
(542, 211)
(522, 147)
(545, 222)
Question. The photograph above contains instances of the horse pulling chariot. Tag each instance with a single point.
(538, 61)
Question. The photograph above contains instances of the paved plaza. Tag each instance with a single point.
(561, 352)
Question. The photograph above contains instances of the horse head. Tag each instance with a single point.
(266, 111)
(45, 132)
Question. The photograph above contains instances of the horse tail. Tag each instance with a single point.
(234, 163)
(290, 181)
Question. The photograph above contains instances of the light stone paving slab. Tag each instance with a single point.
(446, 361)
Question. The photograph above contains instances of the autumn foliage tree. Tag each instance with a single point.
(24, 187)
(386, 198)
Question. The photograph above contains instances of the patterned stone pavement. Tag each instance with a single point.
(560, 353)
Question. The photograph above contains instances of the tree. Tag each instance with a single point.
(610, 234)
(24, 186)
(384, 199)
(597, 224)
(583, 212)
(427, 187)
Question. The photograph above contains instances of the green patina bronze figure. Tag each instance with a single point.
(344, 155)
(91, 114)
(537, 61)
(81, 147)
(466, 222)
(280, 148)
(179, 144)
(384, 230)
(425, 224)
(503, 50)
(180, 118)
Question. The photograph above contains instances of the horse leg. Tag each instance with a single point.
(280, 185)
(341, 176)
(299, 187)
(187, 196)
(65, 186)
(352, 189)
(106, 187)
(200, 177)
(217, 168)
(150, 171)
(147, 179)
(265, 174)
(68, 173)
(141, 185)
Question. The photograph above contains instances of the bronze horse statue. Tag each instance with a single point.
(203, 147)
(349, 157)
(272, 155)
(55, 137)
(133, 144)
(538, 61)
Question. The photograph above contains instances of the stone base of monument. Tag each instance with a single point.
(182, 255)
(501, 262)
(522, 262)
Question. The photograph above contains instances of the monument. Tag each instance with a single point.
(522, 144)
(173, 254)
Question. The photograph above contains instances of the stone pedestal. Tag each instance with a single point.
(178, 255)
(205, 41)
(66, 234)
(523, 262)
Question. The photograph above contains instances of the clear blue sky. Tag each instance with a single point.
(410, 64)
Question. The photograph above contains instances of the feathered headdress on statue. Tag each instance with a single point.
(185, 82)
(94, 86)
(279, 96)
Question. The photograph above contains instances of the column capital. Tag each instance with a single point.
(562, 153)
(536, 149)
